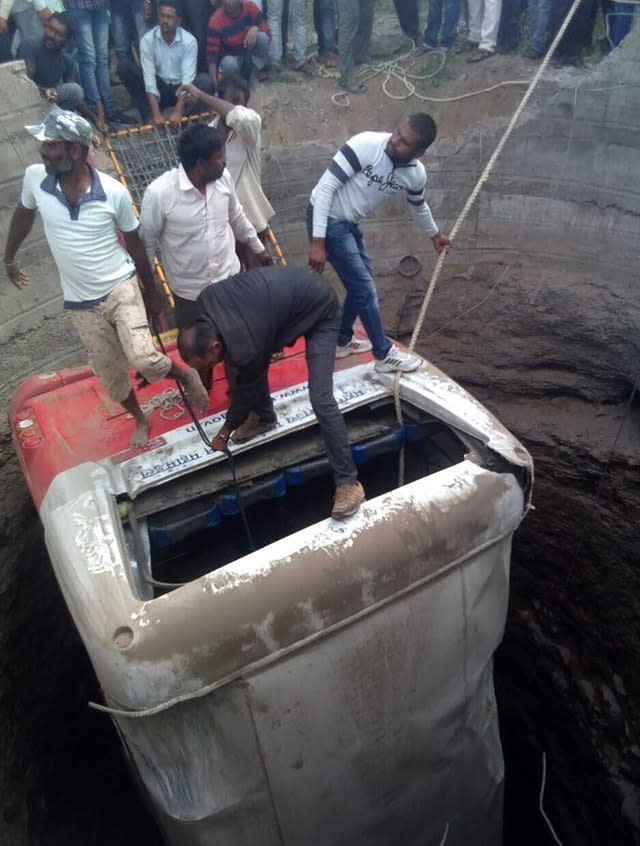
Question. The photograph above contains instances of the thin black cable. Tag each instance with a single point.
(207, 443)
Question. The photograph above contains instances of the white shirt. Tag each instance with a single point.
(360, 176)
(243, 147)
(176, 62)
(82, 238)
(195, 231)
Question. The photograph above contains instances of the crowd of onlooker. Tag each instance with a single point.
(160, 46)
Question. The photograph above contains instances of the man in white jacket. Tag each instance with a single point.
(368, 168)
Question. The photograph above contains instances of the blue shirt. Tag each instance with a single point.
(174, 63)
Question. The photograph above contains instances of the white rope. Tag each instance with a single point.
(168, 401)
(541, 800)
(398, 69)
(484, 176)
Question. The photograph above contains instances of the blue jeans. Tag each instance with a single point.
(348, 257)
(91, 30)
(127, 27)
(324, 21)
(620, 21)
(539, 24)
(242, 62)
(443, 21)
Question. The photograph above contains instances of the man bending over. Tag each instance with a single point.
(243, 320)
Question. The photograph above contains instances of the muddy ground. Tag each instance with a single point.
(545, 334)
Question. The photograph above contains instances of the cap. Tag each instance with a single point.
(61, 125)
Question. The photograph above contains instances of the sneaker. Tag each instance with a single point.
(251, 428)
(347, 500)
(480, 55)
(397, 359)
(354, 347)
(530, 53)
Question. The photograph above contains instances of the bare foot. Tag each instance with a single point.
(140, 435)
(195, 390)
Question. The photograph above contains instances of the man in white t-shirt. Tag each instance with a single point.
(242, 127)
(81, 209)
(370, 167)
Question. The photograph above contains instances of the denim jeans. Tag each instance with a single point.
(620, 20)
(299, 30)
(239, 64)
(355, 23)
(511, 23)
(443, 21)
(127, 27)
(320, 353)
(348, 256)
(91, 30)
(539, 24)
(407, 14)
(324, 21)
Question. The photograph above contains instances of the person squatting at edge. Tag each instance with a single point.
(368, 168)
(81, 208)
(242, 321)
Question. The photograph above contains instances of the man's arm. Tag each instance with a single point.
(151, 222)
(342, 167)
(242, 227)
(215, 104)
(21, 225)
(147, 62)
(214, 45)
(420, 211)
(150, 294)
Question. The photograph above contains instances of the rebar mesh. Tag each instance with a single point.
(142, 154)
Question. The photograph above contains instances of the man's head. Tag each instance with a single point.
(232, 7)
(200, 347)
(64, 138)
(201, 153)
(411, 137)
(56, 31)
(235, 89)
(169, 16)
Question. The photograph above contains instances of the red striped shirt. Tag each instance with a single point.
(226, 35)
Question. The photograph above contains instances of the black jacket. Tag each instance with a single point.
(259, 312)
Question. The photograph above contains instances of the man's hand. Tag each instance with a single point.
(16, 276)
(188, 88)
(317, 255)
(3, 26)
(147, 9)
(219, 440)
(174, 119)
(50, 94)
(440, 241)
(159, 120)
(264, 258)
(153, 303)
(251, 38)
(44, 14)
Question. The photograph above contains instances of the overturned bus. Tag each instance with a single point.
(332, 685)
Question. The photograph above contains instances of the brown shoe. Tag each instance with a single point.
(251, 428)
(347, 500)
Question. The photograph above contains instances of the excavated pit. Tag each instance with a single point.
(538, 314)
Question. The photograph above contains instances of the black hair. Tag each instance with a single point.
(64, 19)
(425, 128)
(196, 143)
(234, 82)
(199, 337)
(173, 4)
